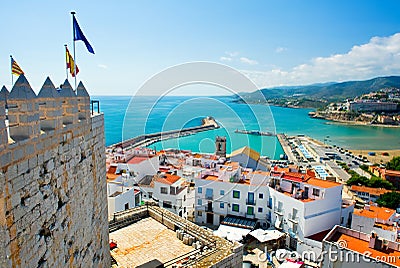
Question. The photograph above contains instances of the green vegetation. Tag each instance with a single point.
(328, 91)
(374, 182)
(389, 200)
(394, 164)
(344, 166)
(365, 168)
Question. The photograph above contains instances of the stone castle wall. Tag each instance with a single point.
(53, 198)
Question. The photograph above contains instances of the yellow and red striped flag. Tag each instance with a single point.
(15, 69)
(70, 63)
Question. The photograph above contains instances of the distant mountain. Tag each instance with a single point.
(331, 91)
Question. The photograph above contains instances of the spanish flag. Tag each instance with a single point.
(70, 63)
(15, 69)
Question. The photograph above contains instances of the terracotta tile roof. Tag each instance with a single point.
(167, 178)
(323, 183)
(361, 246)
(370, 190)
(110, 175)
(247, 151)
(137, 159)
(392, 173)
(374, 212)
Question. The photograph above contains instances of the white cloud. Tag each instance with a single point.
(280, 49)
(379, 57)
(232, 54)
(225, 58)
(248, 61)
(102, 66)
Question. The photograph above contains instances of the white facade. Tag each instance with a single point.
(300, 209)
(387, 229)
(139, 169)
(120, 197)
(216, 199)
(177, 197)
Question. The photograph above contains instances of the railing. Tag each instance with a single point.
(250, 216)
(279, 211)
(293, 219)
(209, 197)
(193, 256)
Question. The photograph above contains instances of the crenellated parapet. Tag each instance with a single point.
(27, 116)
(69, 104)
(83, 102)
(50, 107)
(23, 111)
(53, 196)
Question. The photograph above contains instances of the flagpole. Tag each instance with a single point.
(73, 41)
(12, 78)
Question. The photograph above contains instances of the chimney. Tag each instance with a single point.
(372, 240)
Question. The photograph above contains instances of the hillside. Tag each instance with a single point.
(325, 92)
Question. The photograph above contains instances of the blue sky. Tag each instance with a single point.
(272, 42)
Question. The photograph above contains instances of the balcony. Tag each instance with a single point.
(209, 209)
(278, 211)
(209, 197)
(250, 202)
(250, 216)
(293, 218)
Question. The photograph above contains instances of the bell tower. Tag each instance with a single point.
(220, 146)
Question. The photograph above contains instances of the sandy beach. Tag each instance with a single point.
(378, 158)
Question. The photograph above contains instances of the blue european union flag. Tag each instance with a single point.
(78, 35)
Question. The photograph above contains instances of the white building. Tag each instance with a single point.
(248, 158)
(121, 198)
(171, 191)
(345, 247)
(372, 106)
(383, 221)
(296, 203)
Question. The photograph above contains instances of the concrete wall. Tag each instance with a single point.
(53, 200)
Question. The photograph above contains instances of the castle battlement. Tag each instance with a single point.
(53, 198)
(29, 115)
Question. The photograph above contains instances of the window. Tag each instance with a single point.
(260, 210)
(235, 207)
(184, 198)
(221, 205)
(150, 195)
(341, 220)
(164, 190)
(261, 195)
(126, 206)
(199, 202)
(199, 190)
(199, 213)
(209, 193)
(167, 204)
(270, 202)
(221, 192)
(236, 194)
(250, 210)
(315, 191)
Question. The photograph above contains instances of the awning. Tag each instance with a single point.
(266, 235)
(232, 233)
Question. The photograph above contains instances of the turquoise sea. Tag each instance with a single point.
(126, 118)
